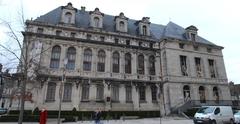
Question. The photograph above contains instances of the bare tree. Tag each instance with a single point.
(26, 52)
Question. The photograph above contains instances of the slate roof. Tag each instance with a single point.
(157, 31)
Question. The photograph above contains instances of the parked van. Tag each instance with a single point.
(214, 115)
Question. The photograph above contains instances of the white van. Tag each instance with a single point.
(214, 115)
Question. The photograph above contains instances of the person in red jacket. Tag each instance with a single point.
(43, 116)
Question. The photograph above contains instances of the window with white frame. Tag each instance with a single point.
(115, 63)
(101, 61)
(100, 92)
(67, 94)
(51, 91)
(71, 55)
(128, 93)
(115, 93)
(87, 60)
(85, 91)
(55, 57)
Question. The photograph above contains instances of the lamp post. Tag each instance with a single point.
(65, 61)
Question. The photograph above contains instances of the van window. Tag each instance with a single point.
(205, 110)
(217, 110)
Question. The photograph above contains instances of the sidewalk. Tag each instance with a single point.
(137, 121)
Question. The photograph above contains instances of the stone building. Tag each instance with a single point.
(120, 64)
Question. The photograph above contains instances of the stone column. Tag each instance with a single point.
(94, 60)
(75, 94)
(157, 65)
(92, 92)
(146, 65)
(107, 93)
(108, 61)
(79, 58)
(148, 94)
(63, 55)
(134, 63)
(57, 97)
(122, 62)
(135, 98)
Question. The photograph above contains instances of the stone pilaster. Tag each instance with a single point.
(135, 98)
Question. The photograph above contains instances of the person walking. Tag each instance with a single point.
(97, 116)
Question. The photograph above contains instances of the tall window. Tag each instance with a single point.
(193, 37)
(71, 55)
(216, 94)
(68, 17)
(198, 67)
(128, 94)
(128, 64)
(55, 57)
(87, 60)
(67, 92)
(142, 93)
(140, 64)
(85, 90)
(100, 91)
(211, 68)
(186, 92)
(144, 30)
(202, 94)
(121, 25)
(101, 61)
(183, 65)
(115, 93)
(154, 93)
(51, 91)
(152, 65)
(96, 22)
(115, 58)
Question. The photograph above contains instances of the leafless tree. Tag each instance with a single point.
(19, 56)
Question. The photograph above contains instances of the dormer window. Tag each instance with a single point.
(96, 18)
(143, 26)
(68, 17)
(96, 22)
(68, 14)
(144, 30)
(58, 32)
(191, 33)
(193, 37)
(121, 25)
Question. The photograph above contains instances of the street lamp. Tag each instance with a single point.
(65, 61)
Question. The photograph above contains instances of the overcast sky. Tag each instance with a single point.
(217, 20)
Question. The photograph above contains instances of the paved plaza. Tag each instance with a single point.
(137, 121)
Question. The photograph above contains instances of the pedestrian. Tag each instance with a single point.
(43, 116)
(97, 116)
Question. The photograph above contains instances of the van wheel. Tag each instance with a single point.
(214, 122)
(231, 121)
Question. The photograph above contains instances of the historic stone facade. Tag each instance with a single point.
(120, 64)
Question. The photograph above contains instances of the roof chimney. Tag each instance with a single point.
(83, 8)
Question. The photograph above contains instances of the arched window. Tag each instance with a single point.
(87, 60)
(96, 22)
(121, 25)
(68, 17)
(152, 65)
(71, 55)
(128, 63)
(186, 93)
(216, 94)
(101, 61)
(140, 64)
(115, 66)
(144, 30)
(202, 94)
(55, 57)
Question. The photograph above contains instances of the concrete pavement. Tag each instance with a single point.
(173, 120)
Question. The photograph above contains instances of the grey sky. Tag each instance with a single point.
(217, 20)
